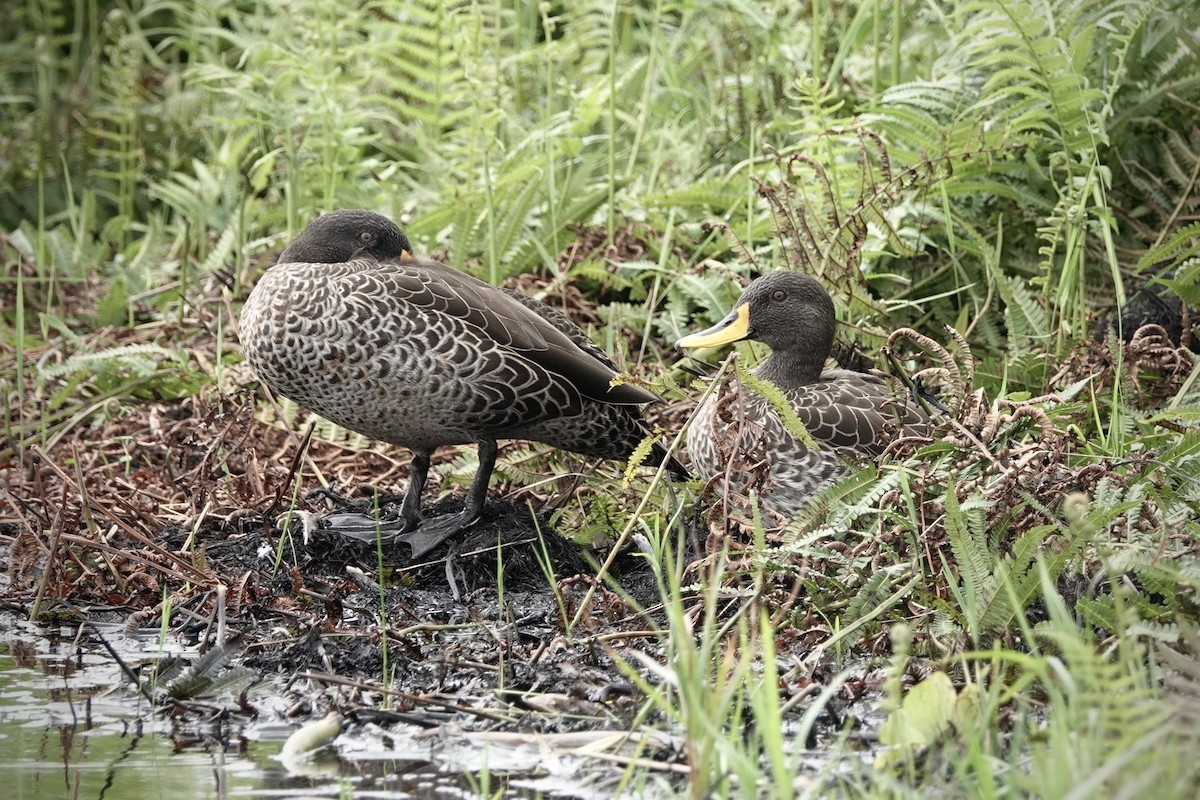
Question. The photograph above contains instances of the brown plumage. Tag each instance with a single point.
(414, 352)
(736, 429)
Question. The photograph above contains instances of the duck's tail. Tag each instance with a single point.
(658, 454)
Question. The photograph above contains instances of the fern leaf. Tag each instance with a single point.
(779, 404)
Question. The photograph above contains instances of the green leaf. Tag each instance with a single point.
(924, 716)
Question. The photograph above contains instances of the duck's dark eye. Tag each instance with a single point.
(366, 238)
(778, 294)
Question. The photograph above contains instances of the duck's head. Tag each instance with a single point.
(790, 313)
(345, 235)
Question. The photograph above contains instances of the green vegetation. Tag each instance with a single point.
(994, 177)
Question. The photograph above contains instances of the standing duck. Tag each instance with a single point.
(737, 429)
(414, 352)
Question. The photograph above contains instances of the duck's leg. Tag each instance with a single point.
(366, 527)
(418, 473)
(433, 532)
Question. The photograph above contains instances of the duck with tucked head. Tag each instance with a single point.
(414, 352)
(842, 410)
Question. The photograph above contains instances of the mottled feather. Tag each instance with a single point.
(414, 352)
(738, 434)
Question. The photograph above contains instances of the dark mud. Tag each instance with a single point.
(483, 617)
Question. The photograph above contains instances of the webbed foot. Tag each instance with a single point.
(363, 527)
(433, 532)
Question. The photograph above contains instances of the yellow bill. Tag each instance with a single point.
(734, 328)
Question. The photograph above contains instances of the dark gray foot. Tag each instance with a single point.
(433, 532)
(424, 539)
(363, 527)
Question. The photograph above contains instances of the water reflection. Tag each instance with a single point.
(71, 725)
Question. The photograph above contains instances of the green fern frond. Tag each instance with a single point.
(779, 404)
(222, 251)
(1015, 583)
(710, 293)
(1025, 318)
(296, 418)
(1185, 282)
(1168, 632)
(590, 269)
(141, 359)
(1099, 612)
(836, 499)
(969, 545)
(877, 588)
(521, 465)
(714, 195)
(638, 457)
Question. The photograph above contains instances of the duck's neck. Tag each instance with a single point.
(792, 368)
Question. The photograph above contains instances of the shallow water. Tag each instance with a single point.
(71, 725)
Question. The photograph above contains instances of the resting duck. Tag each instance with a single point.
(736, 429)
(411, 351)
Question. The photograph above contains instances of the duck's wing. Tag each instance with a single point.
(564, 325)
(854, 410)
(523, 326)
